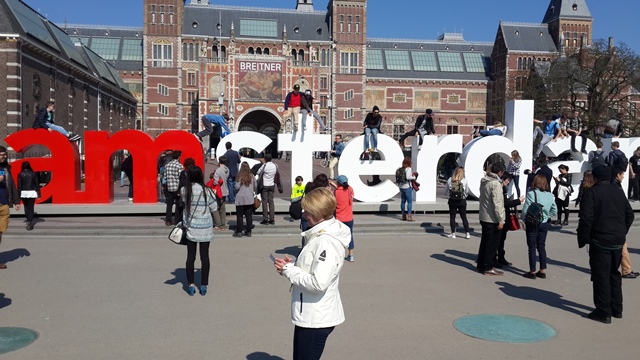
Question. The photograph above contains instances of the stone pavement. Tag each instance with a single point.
(122, 297)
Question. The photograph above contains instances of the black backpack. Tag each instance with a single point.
(534, 213)
(598, 159)
(401, 175)
(457, 190)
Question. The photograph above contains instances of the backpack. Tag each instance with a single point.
(598, 159)
(534, 214)
(401, 175)
(457, 190)
(163, 178)
(620, 160)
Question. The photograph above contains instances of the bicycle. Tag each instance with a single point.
(326, 159)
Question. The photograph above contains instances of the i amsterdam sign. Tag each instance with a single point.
(64, 162)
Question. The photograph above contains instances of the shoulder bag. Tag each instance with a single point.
(178, 234)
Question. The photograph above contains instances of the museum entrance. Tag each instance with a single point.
(264, 122)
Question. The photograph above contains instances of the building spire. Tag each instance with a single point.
(567, 9)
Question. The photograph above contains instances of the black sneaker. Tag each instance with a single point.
(599, 318)
(272, 222)
(237, 234)
(264, 222)
(246, 234)
(529, 275)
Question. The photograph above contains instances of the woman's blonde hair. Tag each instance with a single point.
(516, 155)
(244, 176)
(458, 174)
(319, 203)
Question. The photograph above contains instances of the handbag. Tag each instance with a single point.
(295, 210)
(514, 222)
(256, 202)
(178, 234)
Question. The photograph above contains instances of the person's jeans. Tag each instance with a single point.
(350, 226)
(374, 138)
(543, 141)
(488, 246)
(462, 210)
(58, 128)
(308, 343)
(204, 260)
(305, 113)
(332, 165)
(515, 182)
(268, 209)
(231, 185)
(607, 281)
(29, 208)
(245, 211)
(220, 215)
(490, 132)
(608, 136)
(406, 196)
(536, 240)
(172, 198)
(121, 178)
(208, 128)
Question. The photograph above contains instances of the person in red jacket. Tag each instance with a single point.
(292, 104)
(344, 207)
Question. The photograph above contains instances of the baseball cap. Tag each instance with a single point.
(342, 180)
(296, 87)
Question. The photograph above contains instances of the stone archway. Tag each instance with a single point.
(264, 121)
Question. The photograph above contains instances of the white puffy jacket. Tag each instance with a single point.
(315, 299)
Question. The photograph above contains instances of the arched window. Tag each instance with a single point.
(301, 56)
(323, 58)
(265, 51)
(224, 52)
(190, 52)
(184, 52)
(529, 61)
(214, 51)
(197, 54)
(519, 63)
(250, 50)
(294, 54)
(259, 51)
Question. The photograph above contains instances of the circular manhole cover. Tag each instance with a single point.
(12, 338)
(504, 328)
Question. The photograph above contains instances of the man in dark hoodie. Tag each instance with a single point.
(424, 126)
(9, 196)
(44, 120)
(605, 219)
(371, 128)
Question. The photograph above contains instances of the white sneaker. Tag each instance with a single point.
(452, 235)
(467, 236)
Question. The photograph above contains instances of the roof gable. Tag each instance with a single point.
(565, 9)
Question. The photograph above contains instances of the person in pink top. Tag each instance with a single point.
(344, 207)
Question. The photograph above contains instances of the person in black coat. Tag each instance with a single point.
(423, 126)
(605, 219)
(127, 167)
(510, 208)
(29, 190)
(542, 168)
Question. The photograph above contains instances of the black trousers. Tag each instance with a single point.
(208, 128)
(172, 198)
(410, 133)
(584, 135)
(308, 343)
(503, 238)
(634, 188)
(607, 281)
(204, 260)
(29, 208)
(488, 245)
(460, 208)
(130, 176)
(247, 212)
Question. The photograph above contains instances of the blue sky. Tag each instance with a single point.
(415, 19)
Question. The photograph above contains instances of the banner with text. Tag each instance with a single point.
(260, 80)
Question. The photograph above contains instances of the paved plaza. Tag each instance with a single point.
(108, 295)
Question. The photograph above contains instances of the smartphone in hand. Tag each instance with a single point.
(273, 258)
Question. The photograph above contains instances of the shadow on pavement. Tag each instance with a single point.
(542, 296)
(262, 356)
(289, 250)
(453, 261)
(430, 228)
(568, 265)
(13, 255)
(180, 277)
(4, 301)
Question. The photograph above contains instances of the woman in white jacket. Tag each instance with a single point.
(316, 307)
